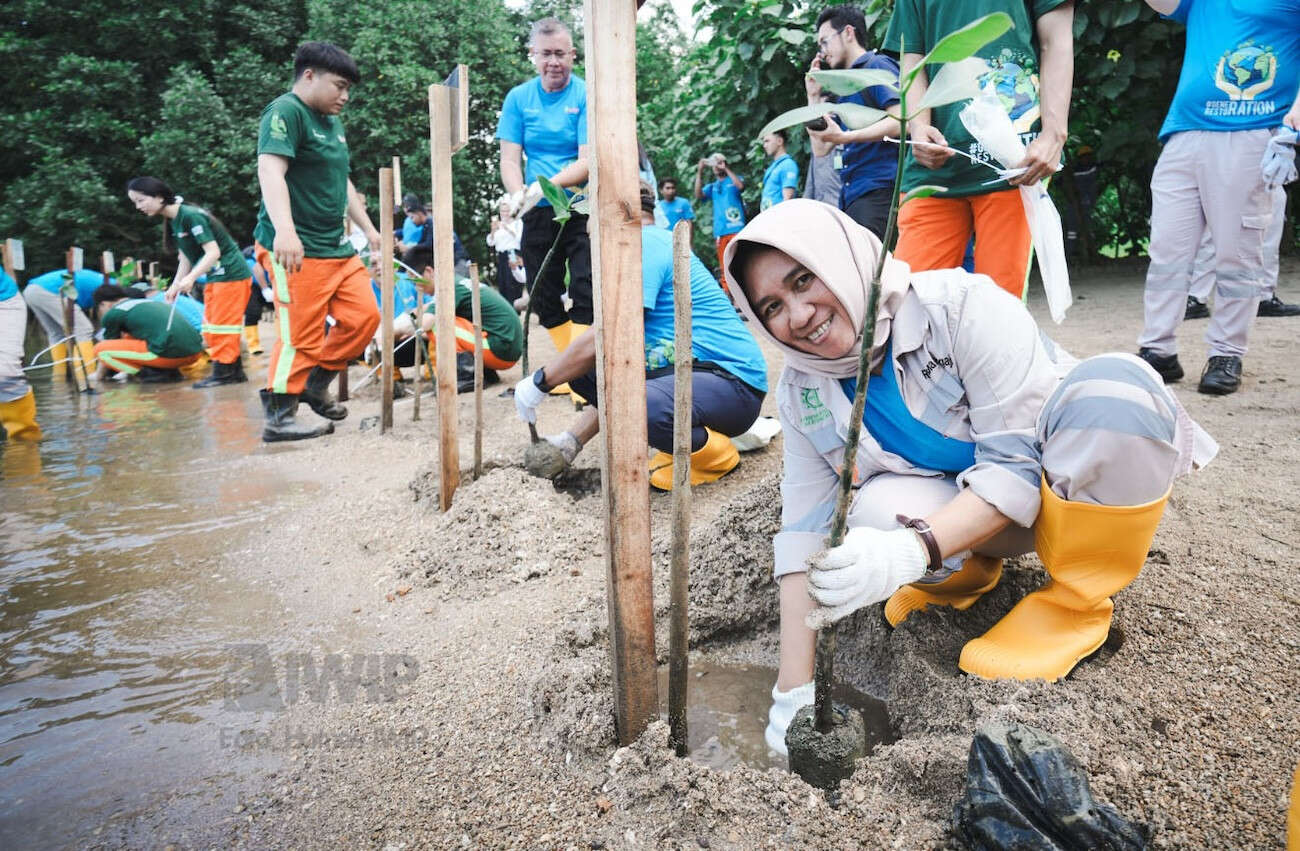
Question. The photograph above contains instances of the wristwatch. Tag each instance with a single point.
(923, 531)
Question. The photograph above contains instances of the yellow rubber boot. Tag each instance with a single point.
(978, 576)
(1293, 814)
(86, 349)
(19, 418)
(715, 459)
(253, 339)
(59, 353)
(560, 337)
(576, 331)
(195, 369)
(1090, 552)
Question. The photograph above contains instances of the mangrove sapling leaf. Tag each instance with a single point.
(558, 198)
(855, 116)
(955, 81)
(850, 81)
(963, 43)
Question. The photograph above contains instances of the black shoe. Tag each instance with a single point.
(465, 372)
(1196, 309)
(1276, 307)
(1222, 375)
(317, 394)
(153, 375)
(1166, 365)
(280, 423)
(223, 373)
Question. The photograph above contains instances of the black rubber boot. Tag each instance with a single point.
(223, 373)
(317, 394)
(281, 423)
(464, 372)
(153, 375)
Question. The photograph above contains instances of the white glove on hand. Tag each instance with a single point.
(566, 443)
(868, 567)
(1278, 164)
(532, 194)
(516, 200)
(784, 705)
(527, 397)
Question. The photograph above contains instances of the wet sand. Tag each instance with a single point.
(474, 706)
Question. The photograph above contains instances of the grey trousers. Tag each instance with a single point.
(1207, 180)
(13, 331)
(1203, 267)
(48, 308)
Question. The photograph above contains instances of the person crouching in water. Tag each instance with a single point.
(729, 373)
(141, 337)
(503, 335)
(982, 440)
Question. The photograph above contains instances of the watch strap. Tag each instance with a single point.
(923, 531)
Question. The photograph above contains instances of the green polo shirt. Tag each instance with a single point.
(148, 321)
(317, 151)
(505, 334)
(194, 228)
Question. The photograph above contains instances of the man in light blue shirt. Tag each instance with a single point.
(728, 208)
(671, 207)
(781, 180)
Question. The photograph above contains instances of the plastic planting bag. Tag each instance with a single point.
(1024, 790)
(988, 122)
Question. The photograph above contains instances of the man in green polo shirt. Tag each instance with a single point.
(142, 337)
(302, 166)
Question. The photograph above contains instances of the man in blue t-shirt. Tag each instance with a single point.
(868, 165)
(543, 133)
(724, 194)
(44, 295)
(781, 179)
(729, 375)
(671, 207)
(1239, 87)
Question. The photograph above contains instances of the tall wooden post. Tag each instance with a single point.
(74, 261)
(440, 150)
(620, 358)
(386, 299)
(679, 586)
(476, 308)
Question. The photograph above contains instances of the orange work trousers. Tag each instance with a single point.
(334, 286)
(127, 354)
(933, 234)
(223, 318)
(722, 270)
(465, 343)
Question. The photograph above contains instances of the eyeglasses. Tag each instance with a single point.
(824, 42)
(552, 54)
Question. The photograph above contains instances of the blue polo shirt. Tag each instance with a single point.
(548, 125)
(869, 165)
(674, 211)
(728, 209)
(1241, 65)
(782, 173)
(410, 231)
(717, 334)
(405, 295)
(87, 282)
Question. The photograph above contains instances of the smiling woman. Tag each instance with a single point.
(983, 440)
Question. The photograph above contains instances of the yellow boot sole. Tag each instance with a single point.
(978, 576)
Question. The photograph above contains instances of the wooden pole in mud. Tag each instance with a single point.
(75, 260)
(620, 359)
(679, 592)
(386, 300)
(476, 303)
(441, 146)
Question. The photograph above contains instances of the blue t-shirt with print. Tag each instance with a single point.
(717, 334)
(8, 286)
(674, 211)
(781, 174)
(868, 166)
(1241, 65)
(405, 296)
(548, 125)
(728, 209)
(86, 280)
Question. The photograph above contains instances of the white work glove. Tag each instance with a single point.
(784, 706)
(1278, 164)
(531, 195)
(527, 397)
(868, 567)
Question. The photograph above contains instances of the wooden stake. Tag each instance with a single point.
(679, 593)
(444, 290)
(397, 185)
(386, 300)
(343, 384)
(73, 259)
(476, 302)
(620, 359)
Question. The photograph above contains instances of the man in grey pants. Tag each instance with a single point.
(1203, 269)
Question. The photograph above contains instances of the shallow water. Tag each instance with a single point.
(117, 607)
(726, 714)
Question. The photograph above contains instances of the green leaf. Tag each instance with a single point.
(924, 191)
(956, 81)
(1128, 14)
(795, 37)
(557, 196)
(854, 115)
(773, 9)
(964, 43)
(766, 55)
(854, 80)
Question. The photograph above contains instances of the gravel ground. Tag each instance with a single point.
(1187, 720)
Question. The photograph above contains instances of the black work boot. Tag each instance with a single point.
(1196, 309)
(281, 424)
(1166, 365)
(1222, 375)
(317, 394)
(223, 373)
(1276, 307)
(464, 372)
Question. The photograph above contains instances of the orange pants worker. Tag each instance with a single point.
(223, 318)
(127, 354)
(465, 343)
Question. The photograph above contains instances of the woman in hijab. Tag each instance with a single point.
(982, 440)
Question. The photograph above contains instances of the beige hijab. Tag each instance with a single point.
(840, 252)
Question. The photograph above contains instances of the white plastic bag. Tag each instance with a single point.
(989, 123)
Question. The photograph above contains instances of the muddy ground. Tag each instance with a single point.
(501, 731)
